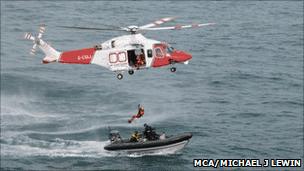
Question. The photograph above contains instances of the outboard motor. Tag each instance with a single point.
(114, 136)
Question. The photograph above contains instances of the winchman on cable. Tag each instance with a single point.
(140, 113)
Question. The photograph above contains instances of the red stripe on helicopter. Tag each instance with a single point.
(82, 56)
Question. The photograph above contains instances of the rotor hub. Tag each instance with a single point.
(133, 29)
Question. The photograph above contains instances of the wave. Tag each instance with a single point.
(285, 102)
(250, 114)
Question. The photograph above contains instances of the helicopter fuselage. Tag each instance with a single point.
(125, 53)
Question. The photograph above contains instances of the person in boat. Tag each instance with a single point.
(135, 137)
(114, 136)
(140, 113)
(149, 133)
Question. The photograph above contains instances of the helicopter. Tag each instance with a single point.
(130, 52)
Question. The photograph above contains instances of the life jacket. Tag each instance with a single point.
(140, 61)
(135, 136)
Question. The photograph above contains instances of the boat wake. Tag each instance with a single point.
(22, 146)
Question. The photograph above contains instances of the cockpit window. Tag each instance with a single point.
(170, 49)
(158, 52)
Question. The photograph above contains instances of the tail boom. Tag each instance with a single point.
(52, 55)
(81, 56)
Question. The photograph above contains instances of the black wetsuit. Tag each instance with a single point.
(150, 134)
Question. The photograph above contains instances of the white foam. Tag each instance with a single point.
(58, 148)
(160, 153)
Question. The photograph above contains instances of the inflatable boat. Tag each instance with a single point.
(162, 144)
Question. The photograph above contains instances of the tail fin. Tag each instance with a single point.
(52, 55)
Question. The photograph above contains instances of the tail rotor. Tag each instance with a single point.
(36, 40)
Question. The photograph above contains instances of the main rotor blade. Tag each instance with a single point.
(157, 22)
(177, 27)
(91, 28)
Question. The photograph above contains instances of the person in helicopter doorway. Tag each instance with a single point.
(140, 113)
(135, 137)
(140, 60)
(149, 133)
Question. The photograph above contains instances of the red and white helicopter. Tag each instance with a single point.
(124, 53)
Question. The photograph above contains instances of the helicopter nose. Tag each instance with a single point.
(181, 56)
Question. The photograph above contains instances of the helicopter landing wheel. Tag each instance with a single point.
(173, 69)
(131, 72)
(119, 76)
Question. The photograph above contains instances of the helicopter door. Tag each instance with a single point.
(136, 58)
(160, 58)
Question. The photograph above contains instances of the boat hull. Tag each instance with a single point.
(167, 149)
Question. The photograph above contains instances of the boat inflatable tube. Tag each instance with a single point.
(148, 144)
